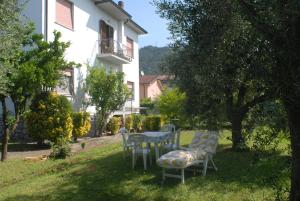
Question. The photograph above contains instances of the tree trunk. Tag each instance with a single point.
(102, 123)
(5, 131)
(294, 124)
(236, 127)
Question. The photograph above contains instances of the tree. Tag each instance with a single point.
(279, 23)
(218, 59)
(33, 67)
(11, 37)
(107, 92)
(170, 103)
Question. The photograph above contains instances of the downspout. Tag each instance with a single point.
(46, 21)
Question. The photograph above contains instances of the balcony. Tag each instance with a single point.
(114, 51)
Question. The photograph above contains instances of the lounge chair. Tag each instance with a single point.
(199, 152)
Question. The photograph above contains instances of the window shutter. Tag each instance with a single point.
(64, 13)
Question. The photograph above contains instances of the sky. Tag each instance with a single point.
(143, 13)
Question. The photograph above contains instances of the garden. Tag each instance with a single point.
(239, 76)
(103, 174)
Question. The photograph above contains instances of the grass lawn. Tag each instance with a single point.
(102, 174)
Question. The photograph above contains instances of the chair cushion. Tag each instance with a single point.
(180, 158)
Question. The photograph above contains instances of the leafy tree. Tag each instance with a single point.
(170, 103)
(29, 65)
(279, 23)
(38, 69)
(107, 92)
(11, 36)
(220, 60)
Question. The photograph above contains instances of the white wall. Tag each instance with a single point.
(132, 70)
(34, 11)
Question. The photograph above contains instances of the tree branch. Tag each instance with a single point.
(256, 100)
(268, 31)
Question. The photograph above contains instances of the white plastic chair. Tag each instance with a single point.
(168, 127)
(126, 146)
(173, 142)
(139, 149)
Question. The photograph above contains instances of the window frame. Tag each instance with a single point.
(131, 97)
(131, 55)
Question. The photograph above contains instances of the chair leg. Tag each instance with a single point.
(124, 152)
(133, 160)
(182, 176)
(145, 161)
(150, 158)
(213, 163)
(205, 166)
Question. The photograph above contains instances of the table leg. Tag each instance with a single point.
(156, 150)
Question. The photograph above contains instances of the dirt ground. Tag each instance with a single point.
(75, 147)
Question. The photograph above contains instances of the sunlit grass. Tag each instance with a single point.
(102, 174)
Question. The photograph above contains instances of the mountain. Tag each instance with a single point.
(150, 59)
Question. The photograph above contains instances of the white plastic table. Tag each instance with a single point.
(156, 137)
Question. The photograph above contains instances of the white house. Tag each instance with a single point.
(101, 33)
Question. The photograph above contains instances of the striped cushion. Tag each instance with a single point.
(180, 158)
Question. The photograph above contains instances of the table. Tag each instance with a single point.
(156, 137)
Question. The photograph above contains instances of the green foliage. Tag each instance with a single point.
(171, 103)
(81, 124)
(49, 117)
(151, 58)
(107, 91)
(39, 67)
(60, 149)
(114, 125)
(226, 63)
(152, 123)
(11, 38)
(149, 105)
(128, 122)
(137, 122)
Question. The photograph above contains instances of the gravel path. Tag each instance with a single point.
(76, 147)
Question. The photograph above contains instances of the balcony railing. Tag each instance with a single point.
(110, 46)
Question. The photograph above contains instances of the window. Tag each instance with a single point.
(130, 86)
(66, 84)
(64, 13)
(107, 38)
(129, 52)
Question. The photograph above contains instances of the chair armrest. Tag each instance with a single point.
(183, 148)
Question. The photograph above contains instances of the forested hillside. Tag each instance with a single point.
(151, 57)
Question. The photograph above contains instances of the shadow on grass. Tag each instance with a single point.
(19, 147)
(111, 178)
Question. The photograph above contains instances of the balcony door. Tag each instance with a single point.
(106, 38)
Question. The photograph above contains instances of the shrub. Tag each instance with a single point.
(81, 124)
(114, 125)
(60, 149)
(170, 103)
(137, 122)
(128, 122)
(49, 118)
(149, 105)
(152, 123)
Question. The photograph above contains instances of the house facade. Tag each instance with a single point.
(151, 86)
(101, 33)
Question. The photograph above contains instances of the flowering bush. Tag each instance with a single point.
(49, 117)
(114, 125)
(81, 124)
(137, 122)
(128, 122)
